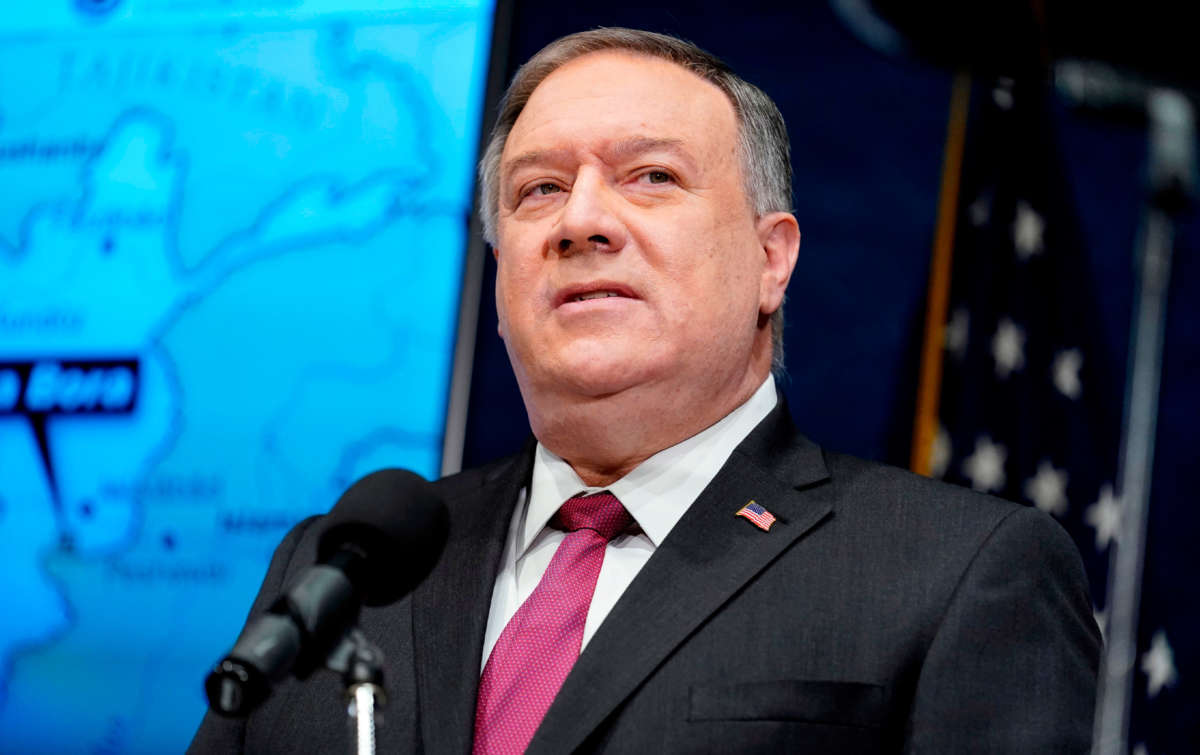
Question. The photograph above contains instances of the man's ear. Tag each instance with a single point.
(779, 236)
(499, 318)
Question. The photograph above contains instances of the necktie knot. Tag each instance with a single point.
(600, 512)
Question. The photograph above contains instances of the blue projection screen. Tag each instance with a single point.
(232, 236)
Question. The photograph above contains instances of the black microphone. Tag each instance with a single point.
(377, 543)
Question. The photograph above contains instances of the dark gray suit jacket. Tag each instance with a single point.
(883, 612)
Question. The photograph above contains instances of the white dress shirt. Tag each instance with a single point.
(656, 493)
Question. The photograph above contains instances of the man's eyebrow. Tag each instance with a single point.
(621, 149)
(532, 157)
(637, 145)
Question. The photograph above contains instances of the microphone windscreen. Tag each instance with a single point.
(396, 523)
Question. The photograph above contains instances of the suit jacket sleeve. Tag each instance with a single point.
(218, 734)
(1013, 665)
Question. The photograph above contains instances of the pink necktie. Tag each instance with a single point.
(542, 640)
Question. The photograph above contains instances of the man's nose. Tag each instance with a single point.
(589, 221)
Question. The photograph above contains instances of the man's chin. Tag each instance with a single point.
(600, 378)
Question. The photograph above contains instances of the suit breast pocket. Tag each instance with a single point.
(838, 703)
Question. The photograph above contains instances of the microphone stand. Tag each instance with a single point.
(360, 663)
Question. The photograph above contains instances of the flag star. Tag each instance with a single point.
(1105, 517)
(985, 466)
(942, 451)
(1048, 489)
(956, 332)
(1066, 372)
(1008, 348)
(980, 210)
(1027, 231)
(1158, 664)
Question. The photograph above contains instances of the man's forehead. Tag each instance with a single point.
(628, 102)
(617, 69)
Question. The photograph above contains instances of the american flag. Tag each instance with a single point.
(1029, 409)
(762, 518)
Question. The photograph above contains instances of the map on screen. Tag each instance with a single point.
(231, 245)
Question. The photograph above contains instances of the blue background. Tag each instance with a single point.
(265, 208)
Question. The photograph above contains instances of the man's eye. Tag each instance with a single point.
(658, 177)
(547, 188)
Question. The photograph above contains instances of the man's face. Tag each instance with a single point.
(628, 254)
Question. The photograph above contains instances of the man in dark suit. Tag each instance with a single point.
(671, 566)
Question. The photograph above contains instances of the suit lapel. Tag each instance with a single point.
(703, 562)
(447, 638)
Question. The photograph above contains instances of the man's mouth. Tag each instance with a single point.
(594, 290)
(594, 295)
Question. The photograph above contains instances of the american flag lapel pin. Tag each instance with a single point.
(757, 515)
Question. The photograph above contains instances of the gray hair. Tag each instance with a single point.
(762, 136)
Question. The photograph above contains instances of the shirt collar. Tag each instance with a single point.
(658, 491)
